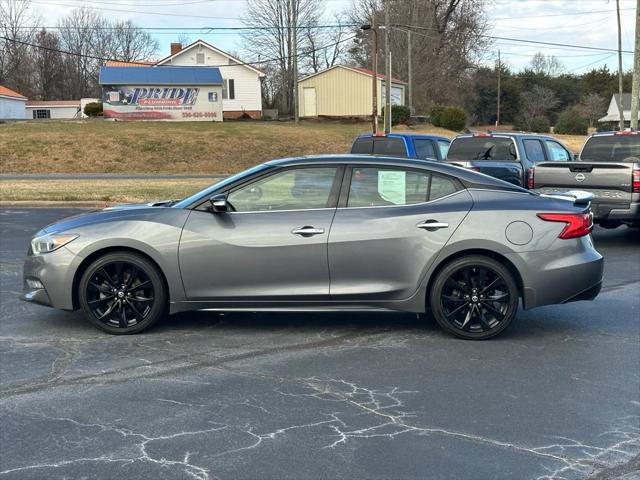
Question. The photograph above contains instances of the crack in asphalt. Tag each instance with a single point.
(189, 362)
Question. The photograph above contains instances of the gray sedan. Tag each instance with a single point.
(324, 233)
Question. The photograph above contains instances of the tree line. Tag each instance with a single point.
(43, 72)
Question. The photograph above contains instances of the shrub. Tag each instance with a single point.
(435, 115)
(399, 114)
(452, 118)
(93, 109)
(537, 124)
(572, 122)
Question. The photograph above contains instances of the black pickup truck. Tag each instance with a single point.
(505, 155)
(609, 167)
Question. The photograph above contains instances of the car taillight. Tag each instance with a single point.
(530, 179)
(636, 181)
(577, 224)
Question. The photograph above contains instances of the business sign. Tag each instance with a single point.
(161, 103)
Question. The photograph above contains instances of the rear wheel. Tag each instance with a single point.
(122, 293)
(474, 297)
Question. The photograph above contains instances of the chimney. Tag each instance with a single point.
(175, 48)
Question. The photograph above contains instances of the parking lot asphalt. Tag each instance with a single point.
(301, 396)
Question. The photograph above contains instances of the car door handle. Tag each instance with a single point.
(307, 231)
(432, 225)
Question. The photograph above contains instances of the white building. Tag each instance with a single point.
(53, 109)
(242, 87)
(613, 113)
(11, 104)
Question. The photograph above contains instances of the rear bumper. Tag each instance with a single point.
(554, 279)
(603, 211)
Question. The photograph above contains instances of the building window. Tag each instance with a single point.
(38, 114)
(200, 58)
(229, 89)
(213, 96)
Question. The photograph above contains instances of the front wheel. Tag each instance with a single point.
(122, 293)
(474, 297)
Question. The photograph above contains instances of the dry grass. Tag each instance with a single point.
(107, 191)
(181, 148)
(162, 147)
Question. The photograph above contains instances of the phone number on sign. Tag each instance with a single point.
(199, 114)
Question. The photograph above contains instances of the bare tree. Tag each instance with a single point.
(542, 64)
(49, 66)
(536, 103)
(593, 106)
(274, 40)
(131, 44)
(447, 43)
(16, 64)
(326, 46)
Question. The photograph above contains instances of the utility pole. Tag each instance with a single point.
(621, 125)
(294, 16)
(409, 73)
(387, 64)
(635, 83)
(499, 75)
(374, 76)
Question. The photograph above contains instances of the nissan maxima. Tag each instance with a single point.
(324, 233)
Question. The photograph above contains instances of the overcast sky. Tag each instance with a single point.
(577, 22)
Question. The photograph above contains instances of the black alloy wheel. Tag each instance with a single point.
(122, 293)
(474, 297)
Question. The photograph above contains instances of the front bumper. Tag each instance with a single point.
(55, 272)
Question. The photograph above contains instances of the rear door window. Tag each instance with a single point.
(425, 149)
(389, 146)
(557, 152)
(612, 148)
(534, 150)
(387, 186)
(363, 146)
(482, 148)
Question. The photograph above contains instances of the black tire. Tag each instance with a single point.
(122, 293)
(474, 297)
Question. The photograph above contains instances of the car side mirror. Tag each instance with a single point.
(219, 203)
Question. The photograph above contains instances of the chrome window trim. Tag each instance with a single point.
(279, 211)
(407, 204)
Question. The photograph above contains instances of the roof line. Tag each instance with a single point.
(231, 57)
(353, 69)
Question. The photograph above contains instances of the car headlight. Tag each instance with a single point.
(50, 242)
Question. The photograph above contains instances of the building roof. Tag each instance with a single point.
(363, 71)
(6, 92)
(217, 50)
(115, 63)
(613, 114)
(160, 76)
(53, 103)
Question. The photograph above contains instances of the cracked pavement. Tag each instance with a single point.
(302, 396)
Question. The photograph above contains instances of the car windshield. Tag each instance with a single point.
(482, 148)
(612, 148)
(217, 186)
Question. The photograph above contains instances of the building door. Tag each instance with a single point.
(309, 97)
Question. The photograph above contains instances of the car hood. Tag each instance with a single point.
(116, 212)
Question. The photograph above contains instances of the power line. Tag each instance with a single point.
(106, 59)
(522, 40)
(182, 29)
(572, 14)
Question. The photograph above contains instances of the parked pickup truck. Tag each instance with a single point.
(507, 156)
(608, 167)
(410, 145)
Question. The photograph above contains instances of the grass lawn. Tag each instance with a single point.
(99, 191)
(160, 147)
(165, 147)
